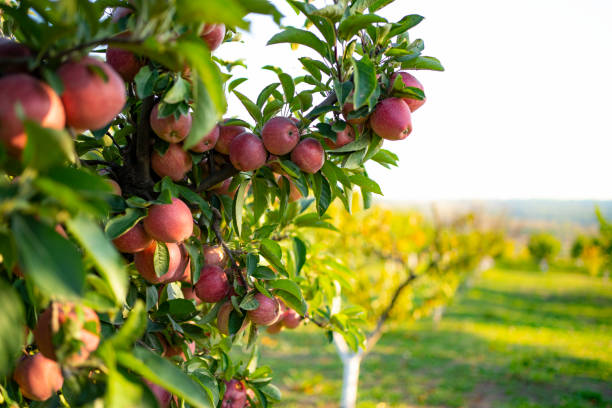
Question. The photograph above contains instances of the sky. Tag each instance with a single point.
(523, 110)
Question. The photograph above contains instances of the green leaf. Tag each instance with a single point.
(249, 302)
(288, 286)
(423, 63)
(365, 81)
(264, 273)
(250, 106)
(133, 328)
(297, 304)
(365, 183)
(229, 12)
(145, 81)
(271, 391)
(104, 255)
(299, 251)
(205, 115)
(46, 148)
(352, 24)
(238, 205)
(121, 224)
(123, 390)
(296, 36)
(162, 372)
(312, 220)
(404, 25)
(12, 322)
(161, 259)
(323, 193)
(179, 92)
(50, 260)
(232, 85)
(288, 86)
(272, 252)
(260, 198)
(265, 94)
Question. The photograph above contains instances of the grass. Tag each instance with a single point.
(514, 339)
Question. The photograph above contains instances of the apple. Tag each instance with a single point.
(162, 396)
(348, 108)
(38, 377)
(114, 186)
(309, 155)
(133, 240)
(275, 328)
(213, 284)
(175, 162)
(247, 152)
(291, 319)
(144, 263)
(267, 312)
(294, 193)
(13, 50)
(391, 119)
(223, 316)
(409, 80)
(189, 293)
(169, 128)
(224, 188)
(169, 222)
(226, 135)
(280, 135)
(39, 102)
(235, 394)
(343, 137)
(214, 255)
(208, 142)
(126, 63)
(93, 93)
(214, 36)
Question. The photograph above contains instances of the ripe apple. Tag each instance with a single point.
(144, 263)
(126, 63)
(224, 188)
(280, 135)
(309, 155)
(189, 293)
(247, 152)
(162, 396)
(343, 137)
(175, 163)
(409, 80)
(38, 377)
(39, 102)
(294, 193)
(169, 222)
(391, 119)
(273, 163)
(68, 323)
(213, 284)
(133, 240)
(291, 319)
(275, 328)
(208, 142)
(13, 50)
(223, 316)
(226, 135)
(348, 108)
(115, 186)
(214, 255)
(93, 93)
(267, 312)
(169, 128)
(214, 36)
(235, 394)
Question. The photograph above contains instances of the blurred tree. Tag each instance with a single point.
(543, 247)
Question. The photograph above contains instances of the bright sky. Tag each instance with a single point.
(524, 109)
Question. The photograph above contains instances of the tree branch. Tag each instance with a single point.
(102, 41)
(224, 172)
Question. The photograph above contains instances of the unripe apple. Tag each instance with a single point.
(39, 102)
(133, 240)
(214, 255)
(309, 155)
(144, 263)
(223, 316)
(91, 100)
(409, 80)
(291, 319)
(214, 37)
(348, 108)
(343, 137)
(13, 50)
(169, 128)
(169, 222)
(175, 163)
(162, 396)
(226, 135)
(267, 312)
(126, 63)
(70, 324)
(213, 284)
(391, 119)
(275, 328)
(38, 377)
(280, 135)
(235, 394)
(247, 152)
(208, 142)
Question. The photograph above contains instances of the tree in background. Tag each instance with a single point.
(141, 235)
(543, 247)
(595, 252)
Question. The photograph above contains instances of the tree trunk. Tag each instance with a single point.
(350, 379)
(437, 315)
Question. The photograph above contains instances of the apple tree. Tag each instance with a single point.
(142, 234)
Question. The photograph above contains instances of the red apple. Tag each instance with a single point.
(208, 142)
(175, 163)
(291, 319)
(38, 377)
(144, 263)
(162, 396)
(39, 102)
(133, 240)
(189, 293)
(214, 255)
(247, 152)
(348, 108)
(224, 188)
(115, 186)
(169, 128)
(275, 328)
(391, 119)
(343, 137)
(309, 155)
(11, 50)
(235, 394)
(169, 222)
(91, 98)
(212, 285)
(223, 316)
(214, 37)
(280, 135)
(126, 63)
(267, 312)
(226, 135)
(409, 80)
(294, 193)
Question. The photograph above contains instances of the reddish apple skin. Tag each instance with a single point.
(213, 284)
(294, 193)
(214, 37)
(115, 186)
(273, 163)
(223, 316)
(169, 222)
(39, 102)
(43, 333)
(309, 155)
(90, 101)
(175, 163)
(119, 13)
(268, 311)
(169, 128)
(247, 152)
(126, 63)
(280, 135)
(391, 119)
(224, 188)
(235, 394)
(342, 138)
(208, 142)
(143, 261)
(162, 396)
(291, 319)
(348, 108)
(189, 293)
(11, 49)
(214, 255)
(275, 328)
(133, 240)
(226, 135)
(38, 377)
(410, 80)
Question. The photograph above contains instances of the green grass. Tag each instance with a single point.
(515, 339)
